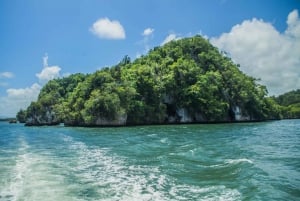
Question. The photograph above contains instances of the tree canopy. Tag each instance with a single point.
(290, 104)
(184, 81)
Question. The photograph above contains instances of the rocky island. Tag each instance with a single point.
(184, 81)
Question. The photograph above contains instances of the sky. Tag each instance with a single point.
(42, 40)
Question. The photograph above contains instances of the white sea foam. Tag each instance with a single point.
(112, 178)
(232, 161)
(164, 140)
(93, 173)
(241, 160)
(33, 179)
(210, 193)
(13, 189)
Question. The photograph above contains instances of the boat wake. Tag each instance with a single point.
(110, 177)
(34, 177)
(75, 170)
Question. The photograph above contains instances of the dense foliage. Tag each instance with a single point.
(187, 80)
(21, 116)
(290, 103)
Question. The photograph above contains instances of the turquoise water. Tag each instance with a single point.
(247, 161)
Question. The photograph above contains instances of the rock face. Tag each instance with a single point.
(238, 114)
(49, 119)
(181, 115)
(184, 116)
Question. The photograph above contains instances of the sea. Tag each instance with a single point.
(241, 161)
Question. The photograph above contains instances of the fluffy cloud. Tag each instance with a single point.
(108, 29)
(24, 93)
(169, 38)
(17, 99)
(48, 73)
(6, 75)
(22, 97)
(293, 24)
(148, 32)
(265, 53)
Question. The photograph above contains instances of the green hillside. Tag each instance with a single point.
(290, 103)
(184, 81)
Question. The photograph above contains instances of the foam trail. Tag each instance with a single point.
(108, 177)
(93, 173)
(13, 189)
(33, 178)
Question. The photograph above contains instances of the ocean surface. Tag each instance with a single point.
(245, 161)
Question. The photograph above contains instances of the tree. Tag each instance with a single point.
(290, 104)
(21, 116)
(101, 105)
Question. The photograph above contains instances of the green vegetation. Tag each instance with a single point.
(21, 116)
(290, 104)
(183, 81)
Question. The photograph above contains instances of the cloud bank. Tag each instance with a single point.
(21, 98)
(265, 53)
(17, 99)
(108, 29)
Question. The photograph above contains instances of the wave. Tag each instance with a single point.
(14, 187)
(211, 193)
(107, 176)
(241, 160)
(231, 162)
(86, 172)
(33, 178)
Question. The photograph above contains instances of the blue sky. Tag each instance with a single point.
(45, 39)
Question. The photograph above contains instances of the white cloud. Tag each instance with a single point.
(108, 29)
(265, 53)
(148, 32)
(293, 24)
(26, 93)
(6, 75)
(169, 38)
(48, 73)
(17, 99)
(22, 97)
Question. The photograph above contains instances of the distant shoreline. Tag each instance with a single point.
(8, 119)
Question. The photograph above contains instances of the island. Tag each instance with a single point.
(184, 81)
